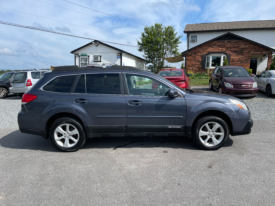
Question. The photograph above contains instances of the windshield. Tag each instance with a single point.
(236, 72)
(5, 76)
(170, 73)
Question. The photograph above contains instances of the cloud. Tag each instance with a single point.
(27, 49)
(7, 51)
(235, 10)
(63, 29)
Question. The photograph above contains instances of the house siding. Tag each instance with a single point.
(128, 60)
(239, 50)
(265, 37)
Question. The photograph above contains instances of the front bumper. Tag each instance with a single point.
(246, 130)
(240, 92)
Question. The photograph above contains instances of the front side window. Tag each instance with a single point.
(263, 74)
(170, 73)
(5, 76)
(83, 61)
(219, 72)
(143, 85)
(103, 84)
(81, 85)
(60, 84)
(214, 60)
(35, 75)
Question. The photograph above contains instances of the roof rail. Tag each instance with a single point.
(25, 70)
(76, 68)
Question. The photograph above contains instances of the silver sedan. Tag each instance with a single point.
(266, 82)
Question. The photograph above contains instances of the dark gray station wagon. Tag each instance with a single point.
(71, 104)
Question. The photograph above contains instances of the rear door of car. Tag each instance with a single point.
(35, 76)
(19, 79)
(99, 98)
(149, 109)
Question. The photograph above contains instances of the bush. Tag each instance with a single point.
(249, 71)
(225, 62)
(190, 72)
(272, 66)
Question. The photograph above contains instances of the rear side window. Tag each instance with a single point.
(103, 83)
(35, 75)
(60, 84)
(20, 77)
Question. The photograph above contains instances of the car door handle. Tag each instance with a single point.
(81, 101)
(134, 103)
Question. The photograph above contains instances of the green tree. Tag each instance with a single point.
(158, 42)
(225, 62)
(272, 65)
(182, 65)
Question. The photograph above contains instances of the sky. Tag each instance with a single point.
(118, 21)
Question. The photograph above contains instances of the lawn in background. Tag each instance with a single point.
(199, 82)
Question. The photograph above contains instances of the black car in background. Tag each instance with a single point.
(5, 84)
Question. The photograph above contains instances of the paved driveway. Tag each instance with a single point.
(136, 171)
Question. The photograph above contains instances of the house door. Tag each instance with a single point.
(253, 65)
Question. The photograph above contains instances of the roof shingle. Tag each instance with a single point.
(229, 26)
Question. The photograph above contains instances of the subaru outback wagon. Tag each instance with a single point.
(72, 104)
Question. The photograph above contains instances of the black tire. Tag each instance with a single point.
(68, 120)
(21, 94)
(268, 91)
(200, 123)
(3, 92)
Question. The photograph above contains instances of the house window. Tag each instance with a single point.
(214, 60)
(83, 61)
(193, 39)
(97, 58)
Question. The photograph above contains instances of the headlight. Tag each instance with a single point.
(228, 85)
(239, 104)
(255, 84)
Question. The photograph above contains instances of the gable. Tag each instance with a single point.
(92, 48)
(228, 37)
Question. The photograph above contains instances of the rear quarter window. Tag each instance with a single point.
(35, 75)
(60, 84)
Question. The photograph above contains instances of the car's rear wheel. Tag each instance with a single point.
(3, 92)
(268, 91)
(210, 132)
(67, 134)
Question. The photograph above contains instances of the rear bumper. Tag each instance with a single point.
(19, 90)
(246, 130)
(240, 92)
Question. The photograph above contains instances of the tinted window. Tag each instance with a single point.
(20, 77)
(103, 83)
(80, 87)
(5, 76)
(143, 85)
(60, 84)
(170, 73)
(35, 75)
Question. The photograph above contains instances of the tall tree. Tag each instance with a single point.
(158, 42)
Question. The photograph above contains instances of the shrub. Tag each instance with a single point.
(225, 62)
(182, 65)
(272, 66)
(249, 71)
(190, 72)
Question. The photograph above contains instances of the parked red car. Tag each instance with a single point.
(233, 80)
(178, 76)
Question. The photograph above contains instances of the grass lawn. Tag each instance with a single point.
(199, 82)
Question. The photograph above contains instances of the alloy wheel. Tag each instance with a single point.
(3, 92)
(211, 134)
(66, 135)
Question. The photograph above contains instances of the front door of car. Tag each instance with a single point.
(149, 109)
(99, 99)
(260, 80)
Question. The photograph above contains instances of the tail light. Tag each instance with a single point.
(28, 98)
(29, 83)
(10, 84)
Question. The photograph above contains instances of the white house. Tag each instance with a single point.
(250, 44)
(97, 53)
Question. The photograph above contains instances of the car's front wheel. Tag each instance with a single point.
(3, 92)
(67, 134)
(268, 91)
(210, 85)
(210, 132)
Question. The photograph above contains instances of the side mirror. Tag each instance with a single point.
(172, 93)
(253, 75)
